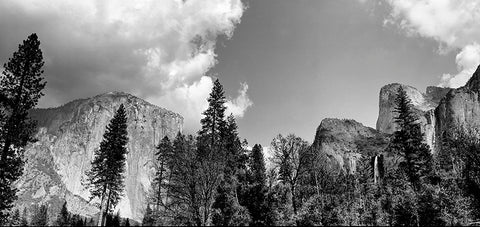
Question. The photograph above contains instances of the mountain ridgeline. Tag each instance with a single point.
(438, 109)
(68, 135)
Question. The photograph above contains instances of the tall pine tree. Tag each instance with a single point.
(164, 153)
(63, 217)
(257, 197)
(148, 217)
(105, 179)
(408, 140)
(213, 123)
(211, 150)
(234, 163)
(21, 86)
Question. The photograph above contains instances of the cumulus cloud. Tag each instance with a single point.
(454, 24)
(157, 50)
(467, 61)
(239, 105)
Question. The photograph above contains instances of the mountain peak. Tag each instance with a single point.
(474, 82)
(69, 134)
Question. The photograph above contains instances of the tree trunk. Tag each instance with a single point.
(100, 215)
(107, 206)
(294, 202)
(159, 195)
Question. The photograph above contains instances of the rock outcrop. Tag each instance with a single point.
(460, 108)
(424, 105)
(345, 141)
(67, 138)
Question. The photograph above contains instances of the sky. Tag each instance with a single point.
(285, 65)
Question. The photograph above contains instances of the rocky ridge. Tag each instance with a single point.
(345, 141)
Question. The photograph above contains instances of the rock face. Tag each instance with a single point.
(424, 105)
(460, 108)
(67, 138)
(345, 141)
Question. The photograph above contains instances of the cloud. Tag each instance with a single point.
(157, 50)
(454, 24)
(467, 61)
(239, 105)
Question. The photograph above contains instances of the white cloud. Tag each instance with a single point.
(467, 61)
(190, 100)
(239, 105)
(454, 24)
(158, 50)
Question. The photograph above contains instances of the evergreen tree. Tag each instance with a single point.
(164, 153)
(21, 86)
(105, 179)
(257, 204)
(211, 159)
(116, 220)
(76, 220)
(40, 216)
(226, 201)
(148, 219)
(63, 216)
(184, 183)
(213, 124)
(408, 140)
(127, 223)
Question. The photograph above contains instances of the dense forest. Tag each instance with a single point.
(216, 178)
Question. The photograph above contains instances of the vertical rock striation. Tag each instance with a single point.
(67, 138)
(424, 105)
(460, 108)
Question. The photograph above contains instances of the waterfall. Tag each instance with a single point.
(375, 169)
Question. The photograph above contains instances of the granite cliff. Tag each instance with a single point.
(460, 108)
(439, 109)
(345, 141)
(68, 135)
(424, 105)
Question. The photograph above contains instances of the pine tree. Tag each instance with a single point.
(257, 165)
(105, 179)
(63, 216)
(40, 216)
(185, 182)
(214, 121)
(116, 220)
(164, 153)
(226, 201)
(212, 154)
(148, 219)
(257, 196)
(20, 88)
(127, 223)
(408, 140)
